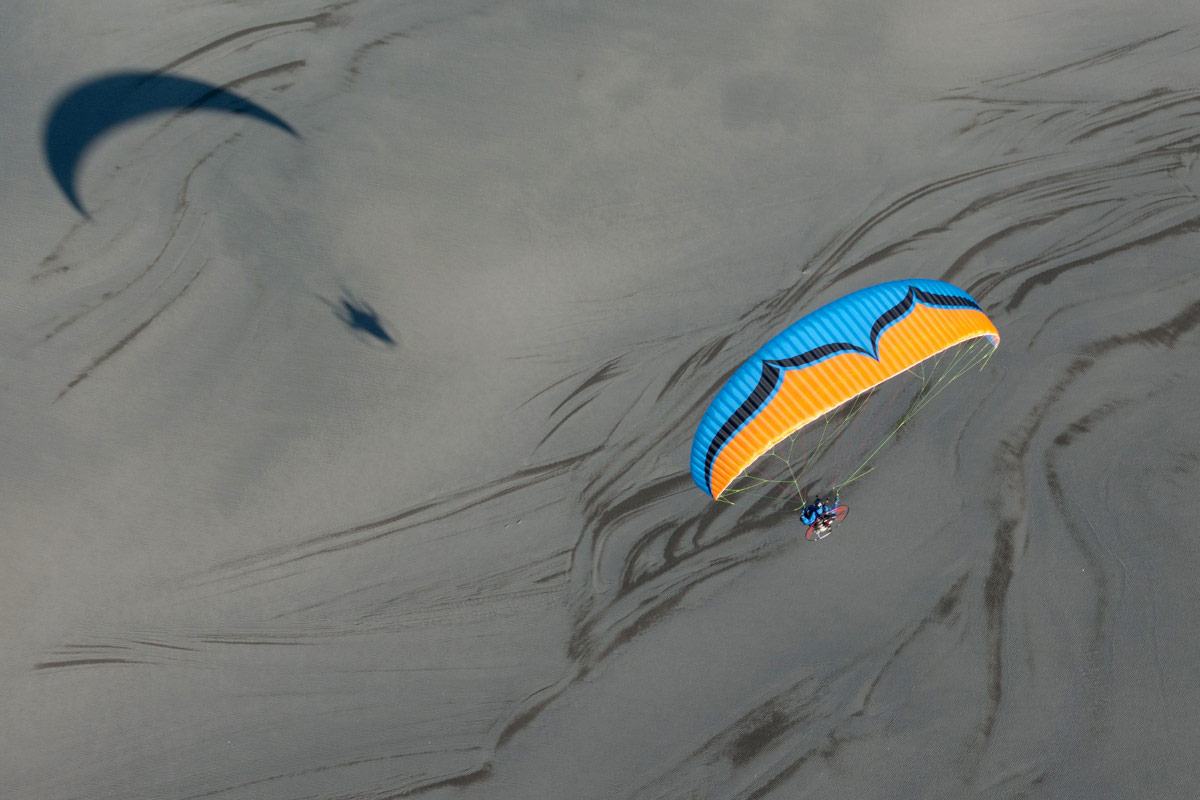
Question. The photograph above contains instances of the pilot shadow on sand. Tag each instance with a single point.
(358, 315)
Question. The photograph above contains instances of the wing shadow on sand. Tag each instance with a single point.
(89, 110)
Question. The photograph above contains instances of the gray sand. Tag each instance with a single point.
(251, 549)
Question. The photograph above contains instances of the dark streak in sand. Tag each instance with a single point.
(85, 662)
(129, 337)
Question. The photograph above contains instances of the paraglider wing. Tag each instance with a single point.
(823, 360)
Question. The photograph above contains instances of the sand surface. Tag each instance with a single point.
(353, 463)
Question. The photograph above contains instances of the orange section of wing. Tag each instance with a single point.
(809, 392)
